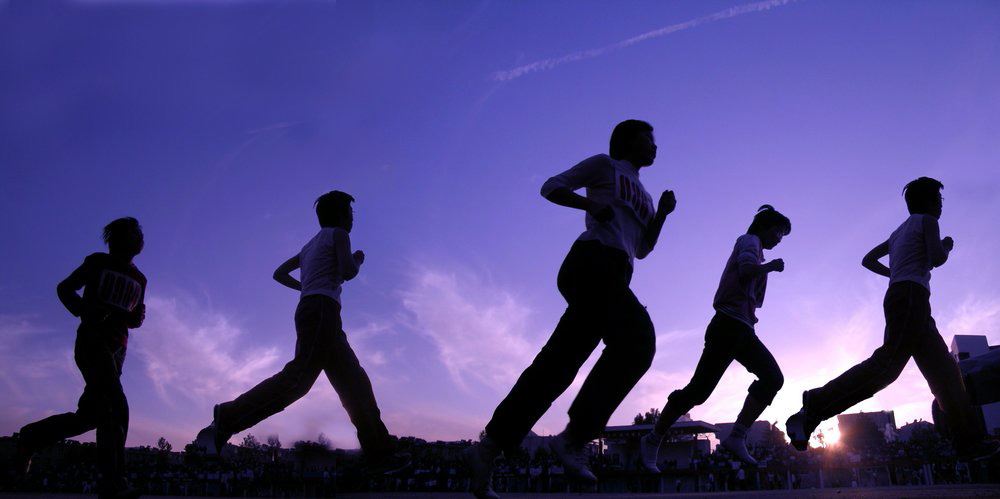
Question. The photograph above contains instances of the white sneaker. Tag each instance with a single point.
(649, 448)
(573, 458)
(480, 458)
(738, 447)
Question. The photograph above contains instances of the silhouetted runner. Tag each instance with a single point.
(914, 248)
(731, 336)
(326, 261)
(594, 280)
(112, 303)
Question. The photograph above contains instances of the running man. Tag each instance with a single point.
(326, 261)
(112, 303)
(594, 279)
(914, 248)
(731, 336)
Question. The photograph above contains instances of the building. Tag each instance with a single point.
(980, 363)
(907, 431)
(867, 429)
(679, 455)
(688, 439)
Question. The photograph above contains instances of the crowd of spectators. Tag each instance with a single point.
(314, 469)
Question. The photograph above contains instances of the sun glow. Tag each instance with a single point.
(827, 435)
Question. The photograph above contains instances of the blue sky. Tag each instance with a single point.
(217, 123)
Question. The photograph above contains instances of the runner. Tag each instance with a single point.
(594, 280)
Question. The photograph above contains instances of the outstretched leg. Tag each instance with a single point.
(718, 353)
(550, 373)
(294, 380)
(583, 280)
(721, 339)
(629, 348)
(907, 310)
(906, 313)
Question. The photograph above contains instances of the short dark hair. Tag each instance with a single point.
(332, 207)
(768, 217)
(120, 227)
(124, 236)
(623, 135)
(921, 193)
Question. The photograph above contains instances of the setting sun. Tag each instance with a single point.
(827, 435)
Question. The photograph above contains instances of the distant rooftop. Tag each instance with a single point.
(680, 427)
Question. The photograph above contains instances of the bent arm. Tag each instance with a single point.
(137, 316)
(651, 234)
(67, 290)
(936, 251)
(347, 266)
(751, 270)
(562, 196)
(871, 259)
(283, 274)
(748, 258)
(559, 189)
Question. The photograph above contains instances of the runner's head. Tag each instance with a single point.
(923, 196)
(632, 140)
(334, 210)
(770, 226)
(124, 237)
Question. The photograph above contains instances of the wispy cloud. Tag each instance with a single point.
(543, 64)
(194, 356)
(975, 315)
(479, 331)
(39, 375)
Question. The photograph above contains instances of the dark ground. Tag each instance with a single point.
(992, 490)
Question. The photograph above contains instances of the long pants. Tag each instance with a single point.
(594, 280)
(726, 340)
(910, 331)
(321, 346)
(103, 406)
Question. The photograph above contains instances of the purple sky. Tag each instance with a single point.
(217, 123)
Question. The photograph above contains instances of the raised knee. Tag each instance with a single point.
(777, 381)
(689, 396)
(699, 397)
(642, 351)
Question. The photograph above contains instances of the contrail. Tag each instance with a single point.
(739, 10)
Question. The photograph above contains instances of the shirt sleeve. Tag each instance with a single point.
(586, 173)
(748, 250)
(67, 289)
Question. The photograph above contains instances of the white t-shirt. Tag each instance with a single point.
(324, 260)
(740, 297)
(616, 184)
(908, 258)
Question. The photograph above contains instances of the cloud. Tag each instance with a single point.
(479, 331)
(39, 374)
(544, 64)
(194, 356)
(975, 315)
